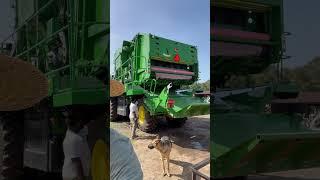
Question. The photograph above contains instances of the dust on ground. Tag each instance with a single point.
(191, 146)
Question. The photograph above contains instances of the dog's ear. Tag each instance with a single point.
(156, 141)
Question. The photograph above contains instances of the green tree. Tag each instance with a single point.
(205, 86)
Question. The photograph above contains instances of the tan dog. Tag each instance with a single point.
(164, 146)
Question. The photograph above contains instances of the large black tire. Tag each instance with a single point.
(176, 123)
(146, 122)
(11, 145)
(113, 109)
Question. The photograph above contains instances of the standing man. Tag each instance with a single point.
(76, 150)
(133, 117)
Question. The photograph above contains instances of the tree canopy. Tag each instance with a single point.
(307, 77)
(205, 86)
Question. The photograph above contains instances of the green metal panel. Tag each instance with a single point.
(81, 96)
(133, 61)
(261, 155)
(247, 140)
(134, 65)
(132, 92)
(141, 58)
(244, 143)
(164, 50)
(184, 106)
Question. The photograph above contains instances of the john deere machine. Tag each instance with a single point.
(68, 41)
(152, 69)
(254, 129)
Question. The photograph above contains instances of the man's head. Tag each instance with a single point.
(135, 101)
(75, 120)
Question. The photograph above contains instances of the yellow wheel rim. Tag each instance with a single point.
(141, 115)
(99, 162)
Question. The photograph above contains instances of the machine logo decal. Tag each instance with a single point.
(176, 58)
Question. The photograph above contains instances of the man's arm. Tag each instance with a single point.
(135, 115)
(78, 166)
(135, 112)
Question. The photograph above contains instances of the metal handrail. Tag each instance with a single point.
(155, 84)
(92, 22)
(28, 19)
(53, 34)
(131, 69)
(43, 41)
(195, 170)
(57, 70)
(133, 65)
(25, 23)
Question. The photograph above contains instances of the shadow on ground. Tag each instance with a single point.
(185, 172)
(194, 134)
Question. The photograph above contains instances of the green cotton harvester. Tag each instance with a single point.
(152, 69)
(255, 129)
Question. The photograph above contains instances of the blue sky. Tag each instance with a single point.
(186, 21)
(302, 20)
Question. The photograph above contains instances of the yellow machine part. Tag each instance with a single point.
(99, 162)
(141, 113)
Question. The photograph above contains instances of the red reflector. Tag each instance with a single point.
(176, 58)
(170, 103)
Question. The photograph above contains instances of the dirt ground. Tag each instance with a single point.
(191, 146)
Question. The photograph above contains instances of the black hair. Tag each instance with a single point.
(134, 99)
(71, 121)
(73, 117)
